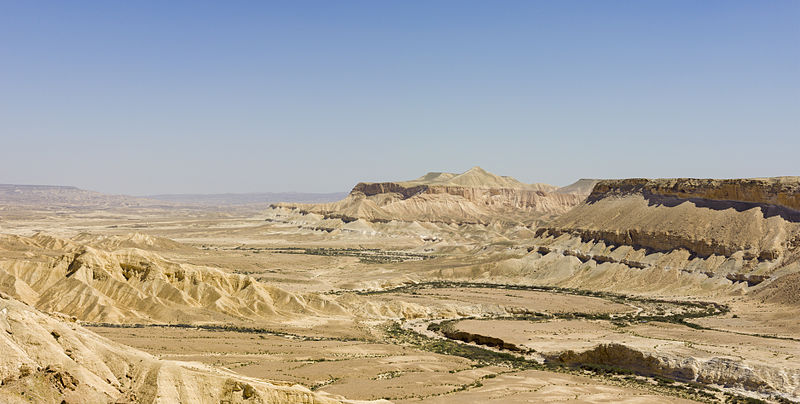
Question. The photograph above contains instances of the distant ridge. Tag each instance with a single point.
(249, 198)
(582, 186)
(58, 196)
(65, 196)
(477, 177)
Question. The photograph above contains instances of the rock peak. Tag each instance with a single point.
(476, 169)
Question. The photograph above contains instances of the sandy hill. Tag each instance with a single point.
(757, 217)
(112, 279)
(583, 186)
(475, 196)
(686, 236)
(477, 177)
(45, 359)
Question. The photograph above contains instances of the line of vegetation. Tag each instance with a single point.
(223, 327)
(689, 310)
(487, 357)
(366, 255)
(692, 309)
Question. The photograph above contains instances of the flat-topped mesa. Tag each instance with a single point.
(519, 197)
(758, 218)
(475, 196)
(375, 188)
(778, 191)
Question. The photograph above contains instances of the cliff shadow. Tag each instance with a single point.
(768, 210)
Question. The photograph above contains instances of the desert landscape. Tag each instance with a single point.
(434, 202)
(450, 288)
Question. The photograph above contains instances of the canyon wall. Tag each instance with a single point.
(756, 217)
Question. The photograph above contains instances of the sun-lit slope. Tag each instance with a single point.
(477, 177)
(783, 290)
(98, 282)
(475, 196)
(582, 186)
(130, 285)
(676, 237)
(134, 240)
(44, 359)
(701, 216)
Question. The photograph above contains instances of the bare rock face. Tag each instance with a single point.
(674, 237)
(723, 371)
(779, 191)
(757, 218)
(474, 196)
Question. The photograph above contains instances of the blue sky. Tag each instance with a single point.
(189, 96)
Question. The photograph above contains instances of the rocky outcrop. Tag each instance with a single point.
(756, 219)
(723, 371)
(472, 197)
(659, 241)
(376, 188)
(778, 191)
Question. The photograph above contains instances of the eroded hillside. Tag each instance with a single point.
(54, 360)
(475, 196)
(684, 236)
(108, 279)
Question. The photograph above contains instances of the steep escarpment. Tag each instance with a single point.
(778, 191)
(45, 359)
(699, 216)
(640, 236)
(475, 196)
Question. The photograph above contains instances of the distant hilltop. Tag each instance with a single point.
(474, 196)
(477, 177)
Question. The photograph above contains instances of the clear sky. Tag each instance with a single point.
(145, 97)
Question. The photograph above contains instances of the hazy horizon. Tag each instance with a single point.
(152, 98)
(279, 192)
